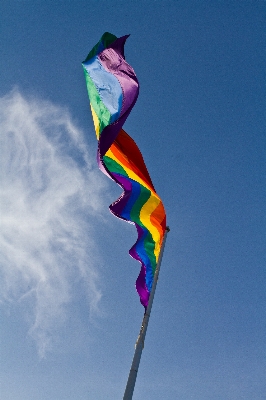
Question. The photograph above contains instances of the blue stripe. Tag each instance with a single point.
(107, 85)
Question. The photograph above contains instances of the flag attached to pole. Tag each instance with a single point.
(113, 90)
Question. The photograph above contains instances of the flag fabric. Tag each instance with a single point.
(113, 90)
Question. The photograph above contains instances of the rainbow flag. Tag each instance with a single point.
(113, 90)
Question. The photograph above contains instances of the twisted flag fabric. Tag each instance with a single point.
(113, 90)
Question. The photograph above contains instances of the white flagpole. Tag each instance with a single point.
(140, 340)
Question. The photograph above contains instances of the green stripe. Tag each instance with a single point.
(149, 244)
(100, 109)
(113, 166)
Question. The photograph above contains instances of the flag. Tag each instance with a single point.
(113, 90)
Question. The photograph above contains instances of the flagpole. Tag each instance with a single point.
(140, 340)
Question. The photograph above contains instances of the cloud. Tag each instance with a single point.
(50, 199)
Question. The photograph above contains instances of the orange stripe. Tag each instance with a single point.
(158, 219)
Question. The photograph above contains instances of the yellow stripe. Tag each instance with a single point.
(145, 213)
(96, 122)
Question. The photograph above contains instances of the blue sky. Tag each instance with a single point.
(67, 331)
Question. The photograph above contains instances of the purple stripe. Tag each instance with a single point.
(118, 206)
(113, 61)
(118, 45)
(142, 290)
(141, 286)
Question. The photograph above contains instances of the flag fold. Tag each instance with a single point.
(113, 90)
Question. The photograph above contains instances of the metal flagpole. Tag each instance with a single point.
(140, 340)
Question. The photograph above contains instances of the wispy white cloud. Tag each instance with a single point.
(50, 199)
